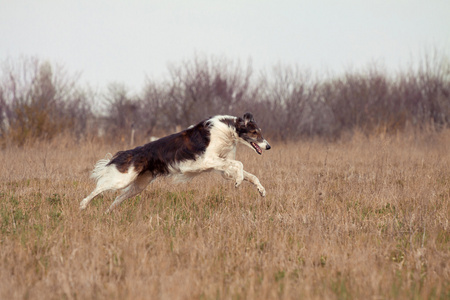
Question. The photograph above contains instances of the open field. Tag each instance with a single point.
(355, 219)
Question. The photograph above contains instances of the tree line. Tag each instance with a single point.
(40, 100)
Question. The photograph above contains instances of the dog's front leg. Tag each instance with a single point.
(253, 179)
(235, 169)
(230, 169)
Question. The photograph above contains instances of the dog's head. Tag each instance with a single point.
(250, 134)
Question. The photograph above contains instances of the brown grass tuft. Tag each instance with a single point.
(361, 218)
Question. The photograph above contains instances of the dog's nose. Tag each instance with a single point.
(268, 147)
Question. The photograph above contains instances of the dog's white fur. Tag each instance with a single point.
(220, 156)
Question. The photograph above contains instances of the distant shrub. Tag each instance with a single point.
(293, 104)
(40, 101)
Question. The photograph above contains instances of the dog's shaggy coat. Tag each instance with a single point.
(208, 146)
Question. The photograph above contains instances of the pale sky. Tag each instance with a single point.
(130, 40)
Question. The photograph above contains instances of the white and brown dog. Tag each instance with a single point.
(208, 146)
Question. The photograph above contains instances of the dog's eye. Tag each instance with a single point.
(253, 132)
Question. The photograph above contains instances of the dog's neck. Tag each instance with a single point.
(224, 138)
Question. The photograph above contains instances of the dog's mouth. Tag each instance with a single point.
(257, 148)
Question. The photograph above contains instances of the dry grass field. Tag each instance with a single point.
(360, 218)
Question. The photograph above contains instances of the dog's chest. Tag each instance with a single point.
(222, 150)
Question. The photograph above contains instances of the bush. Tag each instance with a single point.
(40, 101)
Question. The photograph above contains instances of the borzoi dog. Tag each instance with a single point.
(208, 146)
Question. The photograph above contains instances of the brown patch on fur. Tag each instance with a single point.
(157, 156)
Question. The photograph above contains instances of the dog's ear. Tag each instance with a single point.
(240, 123)
(248, 117)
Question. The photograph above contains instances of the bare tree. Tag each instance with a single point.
(203, 87)
(39, 100)
(122, 112)
(151, 106)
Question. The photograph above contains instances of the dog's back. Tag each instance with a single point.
(157, 157)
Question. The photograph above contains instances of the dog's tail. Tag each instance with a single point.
(100, 167)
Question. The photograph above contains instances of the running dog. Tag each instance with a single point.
(208, 146)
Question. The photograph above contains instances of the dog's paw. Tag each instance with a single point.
(262, 191)
(238, 182)
(83, 205)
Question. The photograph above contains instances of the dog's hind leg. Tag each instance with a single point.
(132, 190)
(253, 179)
(110, 179)
(99, 189)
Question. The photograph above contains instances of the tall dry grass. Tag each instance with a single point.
(361, 218)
